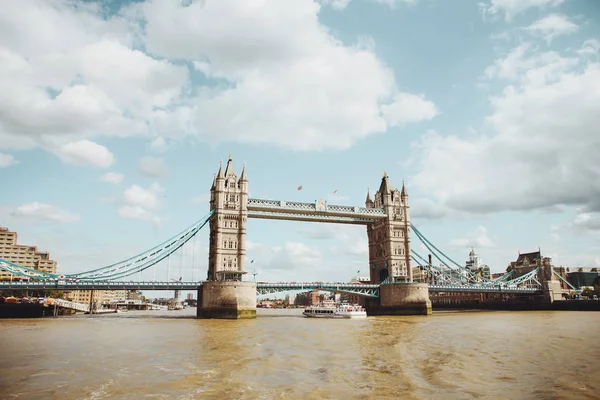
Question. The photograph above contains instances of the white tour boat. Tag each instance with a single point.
(333, 310)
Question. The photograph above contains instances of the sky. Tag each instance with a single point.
(114, 116)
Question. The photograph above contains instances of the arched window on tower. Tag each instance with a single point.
(229, 263)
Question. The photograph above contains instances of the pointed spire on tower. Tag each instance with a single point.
(369, 200)
(403, 193)
(243, 175)
(385, 186)
(214, 185)
(229, 168)
(220, 173)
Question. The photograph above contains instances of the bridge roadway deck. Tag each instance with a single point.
(262, 287)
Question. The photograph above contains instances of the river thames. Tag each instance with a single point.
(282, 355)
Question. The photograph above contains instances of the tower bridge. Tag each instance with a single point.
(224, 293)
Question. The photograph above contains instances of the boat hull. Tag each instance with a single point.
(337, 316)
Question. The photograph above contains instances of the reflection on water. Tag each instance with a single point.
(281, 355)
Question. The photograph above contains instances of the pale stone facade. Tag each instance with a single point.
(24, 255)
(227, 250)
(99, 296)
(389, 237)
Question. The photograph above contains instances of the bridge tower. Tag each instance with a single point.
(389, 237)
(389, 256)
(223, 294)
(227, 249)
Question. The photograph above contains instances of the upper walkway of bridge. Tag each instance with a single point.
(319, 211)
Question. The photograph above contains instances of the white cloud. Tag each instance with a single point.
(552, 26)
(112, 177)
(158, 144)
(518, 64)
(346, 240)
(68, 72)
(590, 46)
(140, 203)
(285, 77)
(44, 212)
(423, 208)
(407, 108)
(477, 238)
(541, 148)
(511, 8)
(6, 160)
(586, 222)
(394, 3)
(291, 261)
(510, 66)
(337, 5)
(153, 167)
(281, 77)
(85, 152)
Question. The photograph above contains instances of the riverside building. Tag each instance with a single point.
(24, 255)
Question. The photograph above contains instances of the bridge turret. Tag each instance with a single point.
(369, 202)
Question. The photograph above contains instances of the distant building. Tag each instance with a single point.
(421, 275)
(313, 297)
(527, 262)
(190, 296)
(290, 298)
(23, 255)
(99, 296)
(475, 265)
(583, 277)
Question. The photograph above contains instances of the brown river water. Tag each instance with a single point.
(282, 355)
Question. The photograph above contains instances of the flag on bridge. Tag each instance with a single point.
(300, 187)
